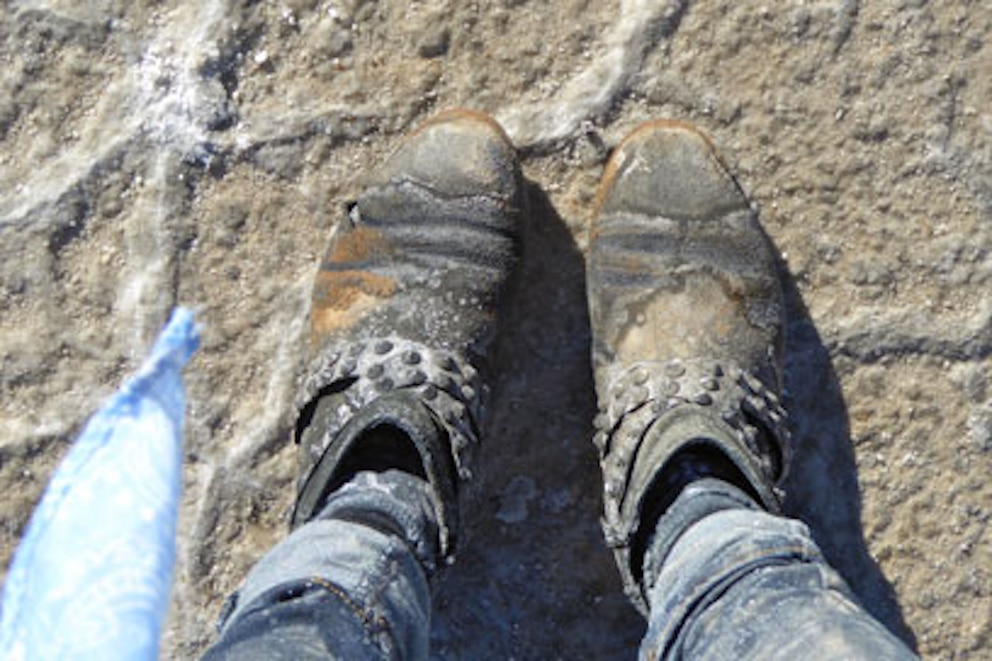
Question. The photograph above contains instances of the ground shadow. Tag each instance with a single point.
(823, 486)
(535, 580)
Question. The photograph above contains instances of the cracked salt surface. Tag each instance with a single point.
(122, 192)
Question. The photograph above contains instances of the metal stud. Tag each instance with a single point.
(752, 405)
(639, 376)
(411, 357)
(383, 347)
(376, 371)
(430, 392)
(599, 440)
(384, 385)
(751, 383)
(326, 373)
(671, 388)
(703, 399)
(674, 369)
(600, 421)
(638, 394)
(416, 378)
(617, 409)
(709, 383)
(751, 439)
(454, 414)
(446, 362)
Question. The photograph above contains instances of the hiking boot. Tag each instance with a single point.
(403, 316)
(686, 310)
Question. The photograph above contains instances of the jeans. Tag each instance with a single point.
(738, 583)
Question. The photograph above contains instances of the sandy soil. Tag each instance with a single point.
(199, 153)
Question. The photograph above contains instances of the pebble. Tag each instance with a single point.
(434, 43)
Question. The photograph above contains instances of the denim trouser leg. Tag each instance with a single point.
(337, 588)
(744, 584)
(738, 583)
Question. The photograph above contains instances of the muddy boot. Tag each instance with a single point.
(404, 313)
(686, 311)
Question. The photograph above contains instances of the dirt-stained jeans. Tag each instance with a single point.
(351, 584)
(736, 584)
(744, 584)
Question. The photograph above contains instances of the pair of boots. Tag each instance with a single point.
(686, 313)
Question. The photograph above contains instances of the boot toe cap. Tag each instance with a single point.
(458, 153)
(669, 169)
